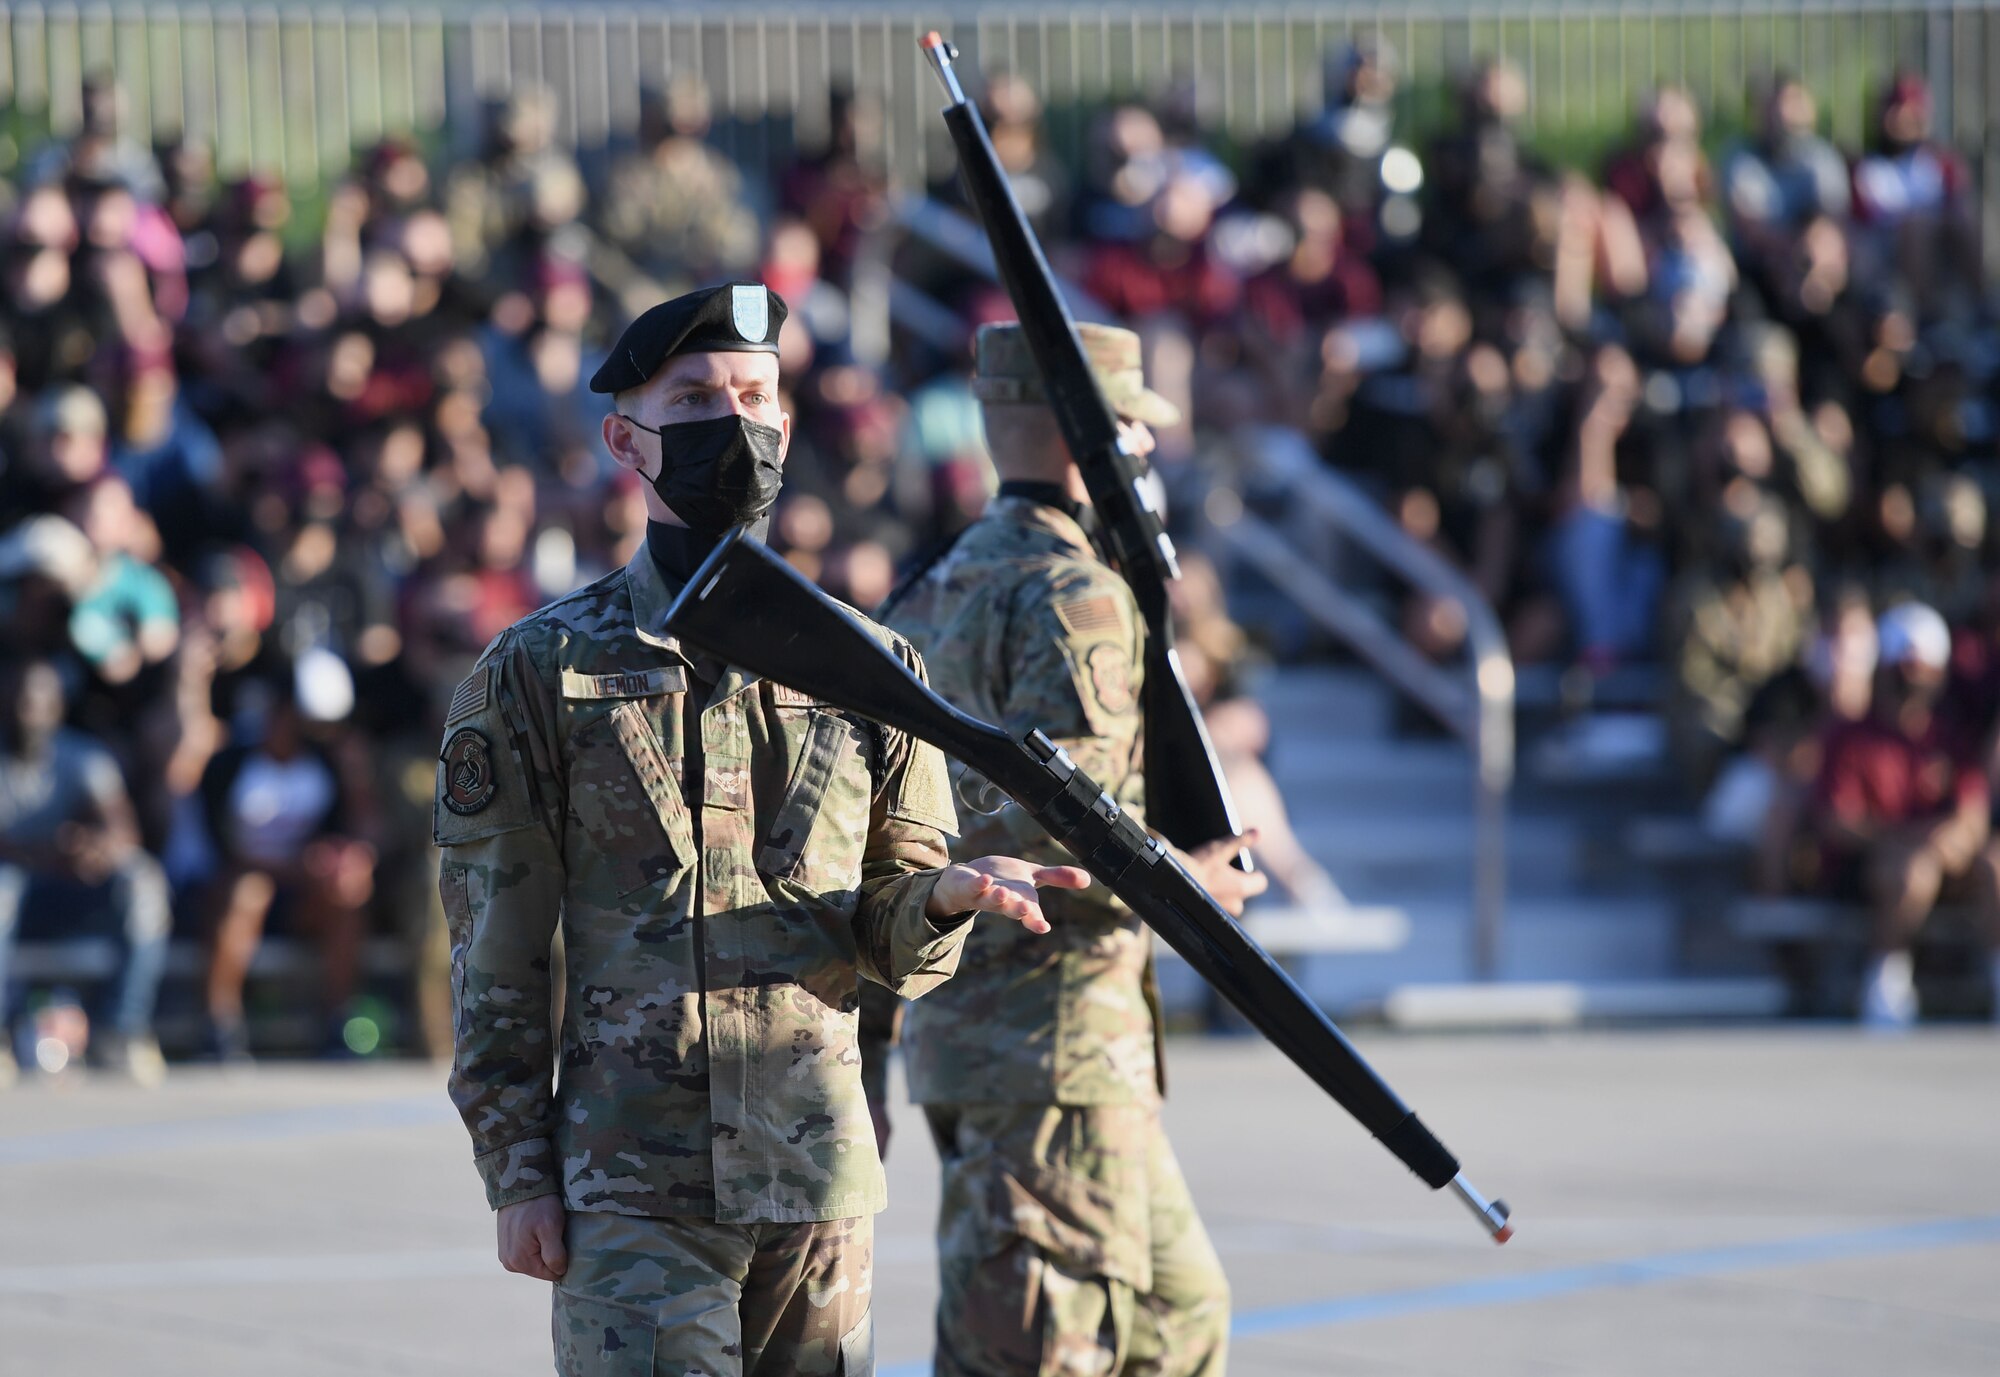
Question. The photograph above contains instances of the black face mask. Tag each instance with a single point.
(720, 473)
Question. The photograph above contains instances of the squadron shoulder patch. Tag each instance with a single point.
(1088, 615)
(1111, 677)
(469, 781)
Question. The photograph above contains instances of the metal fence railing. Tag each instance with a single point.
(295, 88)
(1474, 700)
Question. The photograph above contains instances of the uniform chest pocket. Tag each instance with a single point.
(624, 796)
(820, 830)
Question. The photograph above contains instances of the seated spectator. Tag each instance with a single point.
(676, 205)
(1013, 115)
(1735, 625)
(1340, 150)
(1762, 797)
(1649, 173)
(1901, 812)
(492, 200)
(47, 566)
(276, 809)
(167, 454)
(65, 453)
(1913, 203)
(841, 191)
(71, 866)
(1690, 276)
(1127, 164)
(1843, 656)
(1814, 468)
(102, 145)
(1777, 182)
(1320, 283)
(1168, 266)
(1491, 201)
(1606, 568)
(128, 618)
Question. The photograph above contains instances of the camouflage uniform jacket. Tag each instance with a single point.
(1025, 627)
(709, 1056)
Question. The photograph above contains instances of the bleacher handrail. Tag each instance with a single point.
(1477, 706)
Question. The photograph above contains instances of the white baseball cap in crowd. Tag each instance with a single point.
(52, 547)
(1912, 633)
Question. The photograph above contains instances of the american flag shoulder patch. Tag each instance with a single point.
(472, 695)
(1090, 615)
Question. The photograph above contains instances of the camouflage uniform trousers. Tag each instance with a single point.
(1069, 1246)
(646, 1297)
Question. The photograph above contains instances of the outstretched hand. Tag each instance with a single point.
(1002, 885)
(1211, 864)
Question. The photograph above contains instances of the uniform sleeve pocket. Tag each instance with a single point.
(626, 798)
(454, 888)
(600, 1338)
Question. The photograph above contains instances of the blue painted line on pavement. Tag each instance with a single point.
(119, 1140)
(1555, 1282)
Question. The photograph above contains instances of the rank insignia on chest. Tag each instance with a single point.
(469, 781)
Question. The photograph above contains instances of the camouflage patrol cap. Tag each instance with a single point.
(1004, 371)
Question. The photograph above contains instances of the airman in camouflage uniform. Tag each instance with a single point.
(1068, 1241)
(726, 859)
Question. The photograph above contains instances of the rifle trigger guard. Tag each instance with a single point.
(978, 793)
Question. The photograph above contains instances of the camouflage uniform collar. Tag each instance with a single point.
(652, 594)
(1039, 516)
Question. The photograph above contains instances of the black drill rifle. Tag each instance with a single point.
(1189, 802)
(749, 608)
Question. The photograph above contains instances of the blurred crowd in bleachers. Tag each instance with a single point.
(266, 489)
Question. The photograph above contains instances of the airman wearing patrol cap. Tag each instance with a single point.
(727, 859)
(1004, 370)
(1067, 1240)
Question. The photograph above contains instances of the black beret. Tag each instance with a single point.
(735, 318)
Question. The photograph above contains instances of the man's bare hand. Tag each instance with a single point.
(88, 852)
(1210, 864)
(531, 1237)
(1002, 885)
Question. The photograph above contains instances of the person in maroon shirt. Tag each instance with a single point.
(1901, 808)
(1321, 283)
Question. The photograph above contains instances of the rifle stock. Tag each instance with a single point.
(748, 607)
(1197, 808)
